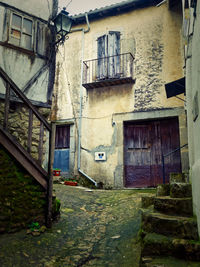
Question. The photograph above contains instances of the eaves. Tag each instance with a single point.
(114, 10)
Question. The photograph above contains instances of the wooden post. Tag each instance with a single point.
(163, 168)
(7, 105)
(50, 172)
(41, 142)
(30, 130)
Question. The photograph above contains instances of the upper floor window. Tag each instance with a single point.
(26, 33)
(108, 49)
(21, 31)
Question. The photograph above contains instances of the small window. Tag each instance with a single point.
(62, 136)
(21, 31)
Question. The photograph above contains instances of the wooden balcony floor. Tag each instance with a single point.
(108, 82)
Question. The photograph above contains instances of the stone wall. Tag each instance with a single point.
(18, 122)
(22, 199)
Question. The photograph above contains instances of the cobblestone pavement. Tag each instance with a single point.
(97, 228)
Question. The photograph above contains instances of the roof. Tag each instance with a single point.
(114, 10)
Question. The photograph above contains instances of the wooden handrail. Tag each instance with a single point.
(32, 166)
(23, 97)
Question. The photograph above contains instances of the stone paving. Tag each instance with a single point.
(96, 228)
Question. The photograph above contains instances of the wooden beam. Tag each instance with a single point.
(50, 171)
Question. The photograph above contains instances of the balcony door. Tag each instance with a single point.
(108, 53)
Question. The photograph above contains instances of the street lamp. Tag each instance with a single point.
(63, 25)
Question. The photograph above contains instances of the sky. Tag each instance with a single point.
(81, 6)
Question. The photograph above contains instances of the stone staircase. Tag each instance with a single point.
(168, 225)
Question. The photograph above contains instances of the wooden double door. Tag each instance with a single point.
(144, 144)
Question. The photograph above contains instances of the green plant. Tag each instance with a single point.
(71, 180)
(34, 226)
(56, 208)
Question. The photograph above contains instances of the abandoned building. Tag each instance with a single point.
(123, 98)
(110, 90)
(27, 68)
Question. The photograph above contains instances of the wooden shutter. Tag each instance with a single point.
(43, 38)
(101, 54)
(6, 25)
(113, 50)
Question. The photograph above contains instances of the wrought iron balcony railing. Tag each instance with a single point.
(108, 71)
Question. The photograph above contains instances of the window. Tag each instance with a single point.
(21, 31)
(62, 136)
(108, 49)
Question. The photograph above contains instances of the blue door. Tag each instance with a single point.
(61, 160)
(62, 148)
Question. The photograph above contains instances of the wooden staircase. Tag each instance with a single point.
(169, 228)
(23, 154)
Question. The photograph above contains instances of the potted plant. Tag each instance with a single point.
(71, 182)
(56, 172)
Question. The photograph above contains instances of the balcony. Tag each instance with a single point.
(108, 71)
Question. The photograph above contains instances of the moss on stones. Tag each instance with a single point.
(22, 199)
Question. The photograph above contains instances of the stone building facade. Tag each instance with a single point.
(191, 27)
(110, 87)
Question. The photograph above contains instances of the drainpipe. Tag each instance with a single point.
(81, 98)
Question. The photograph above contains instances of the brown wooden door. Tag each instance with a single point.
(144, 144)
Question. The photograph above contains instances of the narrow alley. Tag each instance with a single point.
(96, 228)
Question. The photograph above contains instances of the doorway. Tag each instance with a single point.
(144, 144)
(62, 148)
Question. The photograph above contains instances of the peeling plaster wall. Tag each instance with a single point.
(22, 65)
(153, 35)
(42, 9)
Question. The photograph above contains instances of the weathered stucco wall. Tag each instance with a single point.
(153, 36)
(41, 9)
(192, 57)
(32, 67)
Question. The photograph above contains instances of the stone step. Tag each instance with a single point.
(174, 206)
(147, 201)
(163, 190)
(177, 178)
(176, 226)
(167, 261)
(160, 245)
(180, 190)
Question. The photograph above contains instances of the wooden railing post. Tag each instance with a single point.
(50, 172)
(41, 142)
(7, 106)
(30, 130)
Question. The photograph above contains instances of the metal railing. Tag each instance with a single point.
(107, 68)
(166, 155)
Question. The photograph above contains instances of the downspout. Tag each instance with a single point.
(81, 98)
